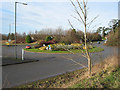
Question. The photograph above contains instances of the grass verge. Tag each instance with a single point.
(104, 75)
(105, 79)
(95, 49)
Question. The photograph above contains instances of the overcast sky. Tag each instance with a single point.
(39, 15)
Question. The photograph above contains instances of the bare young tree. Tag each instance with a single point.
(82, 12)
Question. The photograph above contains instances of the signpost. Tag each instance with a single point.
(22, 54)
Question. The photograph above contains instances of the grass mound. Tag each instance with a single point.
(95, 49)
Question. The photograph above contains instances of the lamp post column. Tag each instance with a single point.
(15, 31)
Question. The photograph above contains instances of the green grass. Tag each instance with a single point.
(103, 79)
(95, 49)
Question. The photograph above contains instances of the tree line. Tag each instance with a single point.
(59, 35)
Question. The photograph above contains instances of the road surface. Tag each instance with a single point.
(48, 65)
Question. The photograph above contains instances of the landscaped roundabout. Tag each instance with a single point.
(62, 48)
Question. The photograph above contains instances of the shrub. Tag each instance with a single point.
(76, 44)
(28, 39)
(88, 47)
(113, 38)
(94, 37)
(47, 43)
(63, 47)
(59, 49)
(67, 42)
(43, 48)
(60, 44)
(41, 43)
(48, 38)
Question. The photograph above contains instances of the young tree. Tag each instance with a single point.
(81, 11)
(28, 39)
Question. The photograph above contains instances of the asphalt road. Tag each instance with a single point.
(48, 64)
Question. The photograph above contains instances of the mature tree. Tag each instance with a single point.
(4, 37)
(114, 36)
(80, 35)
(113, 24)
(58, 34)
(12, 36)
(104, 30)
(24, 35)
(99, 30)
(9, 36)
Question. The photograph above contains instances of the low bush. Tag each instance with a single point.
(63, 47)
(48, 38)
(59, 49)
(76, 44)
(67, 42)
(88, 47)
(47, 43)
(60, 43)
(43, 48)
(28, 39)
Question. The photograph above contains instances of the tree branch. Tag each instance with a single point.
(93, 20)
(80, 7)
(77, 19)
(77, 11)
(70, 24)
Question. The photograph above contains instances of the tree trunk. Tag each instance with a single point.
(86, 48)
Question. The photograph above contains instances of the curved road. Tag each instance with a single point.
(48, 64)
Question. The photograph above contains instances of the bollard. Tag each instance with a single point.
(22, 54)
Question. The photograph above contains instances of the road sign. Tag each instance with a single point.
(9, 40)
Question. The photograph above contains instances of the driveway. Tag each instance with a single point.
(48, 64)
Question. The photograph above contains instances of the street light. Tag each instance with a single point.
(10, 31)
(15, 26)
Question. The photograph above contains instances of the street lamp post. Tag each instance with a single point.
(15, 26)
(10, 29)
